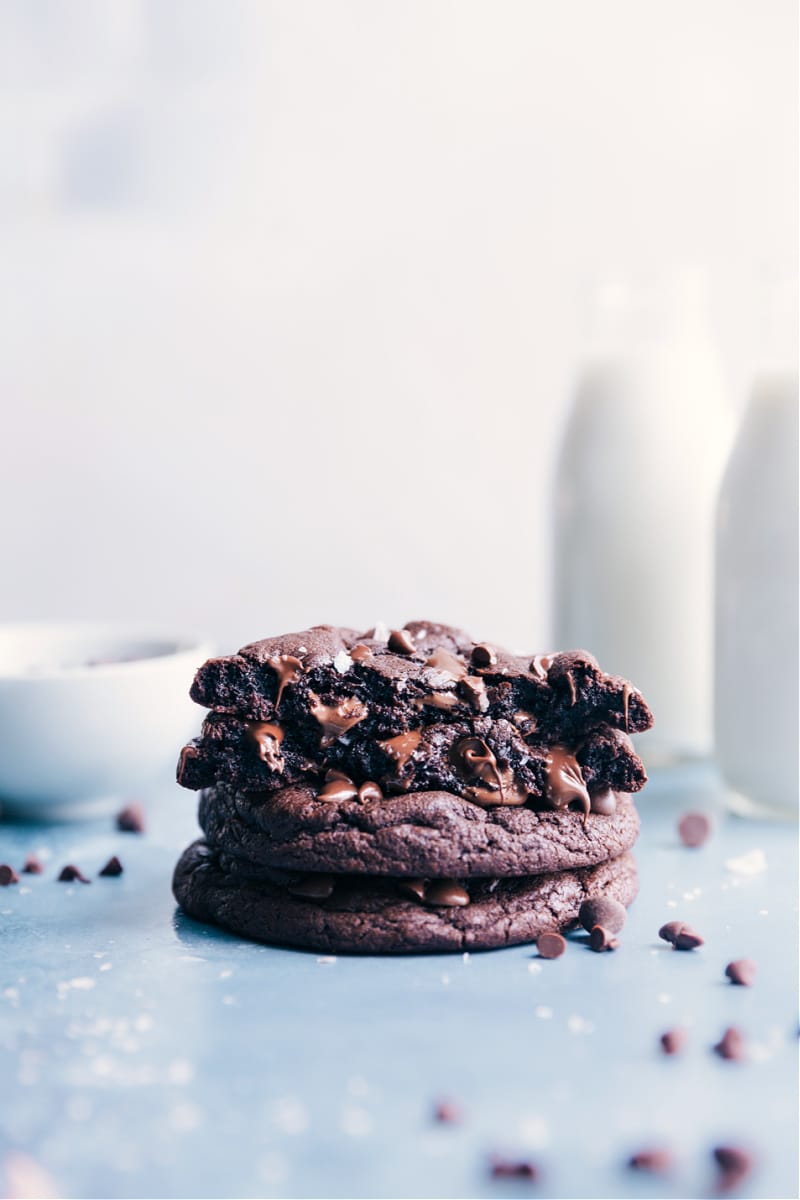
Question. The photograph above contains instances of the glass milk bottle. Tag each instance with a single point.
(756, 708)
(640, 465)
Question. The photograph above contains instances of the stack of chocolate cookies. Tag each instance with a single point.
(408, 790)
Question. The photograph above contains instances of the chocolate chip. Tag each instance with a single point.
(732, 1045)
(550, 945)
(473, 689)
(7, 875)
(446, 893)
(741, 971)
(401, 642)
(338, 791)
(602, 939)
(681, 935)
(112, 868)
(32, 865)
(360, 653)
(413, 888)
(369, 792)
(734, 1165)
(483, 656)
(131, 819)
(673, 1041)
(70, 873)
(448, 1113)
(312, 887)
(602, 910)
(651, 1160)
(694, 828)
(504, 1168)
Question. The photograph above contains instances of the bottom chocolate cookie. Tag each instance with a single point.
(367, 915)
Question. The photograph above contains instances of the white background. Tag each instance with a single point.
(292, 295)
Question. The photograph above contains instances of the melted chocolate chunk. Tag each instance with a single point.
(565, 782)
(267, 736)
(288, 669)
(336, 719)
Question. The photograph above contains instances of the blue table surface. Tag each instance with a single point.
(144, 1055)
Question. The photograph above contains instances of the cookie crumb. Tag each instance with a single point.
(7, 875)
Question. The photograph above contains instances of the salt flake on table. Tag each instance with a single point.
(751, 863)
(576, 1024)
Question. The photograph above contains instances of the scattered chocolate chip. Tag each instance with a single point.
(741, 971)
(369, 792)
(673, 1041)
(401, 642)
(602, 910)
(32, 865)
(7, 875)
(732, 1045)
(448, 1113)
(694, 828)
(682, 936)
(131, 819)
(550, 945)
(734, 1165)
(602, 939)
(483, 656)
(70, 873)
(651, 1160)
(113, 867)
(504, 1168)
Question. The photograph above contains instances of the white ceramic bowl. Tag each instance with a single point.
(90, 714)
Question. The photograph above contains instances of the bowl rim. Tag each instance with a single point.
(181, 647)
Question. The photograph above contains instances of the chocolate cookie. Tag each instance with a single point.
(260, 756)
(324, 682)
(384, 916)
(420, 833)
